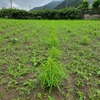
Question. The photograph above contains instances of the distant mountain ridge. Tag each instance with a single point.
(50, 5)
(68, 3)
(60, 4)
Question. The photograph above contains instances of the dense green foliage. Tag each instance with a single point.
(85, 6)
(82, 7)
(96, 4)
(14, 13)
(66, 13)
(70, 13)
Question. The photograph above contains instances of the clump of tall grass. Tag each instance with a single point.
(13, 40)
(51, 74)
(52, 41)
(54, 53)
(85, 40)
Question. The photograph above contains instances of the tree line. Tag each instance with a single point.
(66, 13)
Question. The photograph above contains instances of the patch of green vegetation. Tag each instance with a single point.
(51, 74)
(0, 94)
(24, 90)
(54, 53)
(12, 83)
(42, 53)
(85, 40)
(52, 41)
(18, 70)
(39, 96)
(31, 83)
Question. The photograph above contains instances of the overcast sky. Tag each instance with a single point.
(24, 4)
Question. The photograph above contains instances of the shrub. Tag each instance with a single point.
(66, 13)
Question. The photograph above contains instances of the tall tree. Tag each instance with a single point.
(96, 4)
(85, 6)
(67, 3)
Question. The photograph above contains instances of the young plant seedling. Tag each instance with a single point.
(39, 96)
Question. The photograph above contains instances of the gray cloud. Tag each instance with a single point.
(23, 4)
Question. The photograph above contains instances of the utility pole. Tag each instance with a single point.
(11, 3)
(30, 6)
(67, 4)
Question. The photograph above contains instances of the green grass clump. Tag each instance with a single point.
(54, 53)
(85, 40)
(52, 41)
(51, 74)
(13, 40)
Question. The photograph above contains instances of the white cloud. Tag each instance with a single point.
(15, 5)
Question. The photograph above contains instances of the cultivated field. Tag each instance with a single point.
(49, 60)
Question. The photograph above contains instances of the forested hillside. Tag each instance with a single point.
(50, 5)
(68, 3)
(61, 4)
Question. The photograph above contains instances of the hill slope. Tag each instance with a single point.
(50, 5)
(61, 4)
(68, 3)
